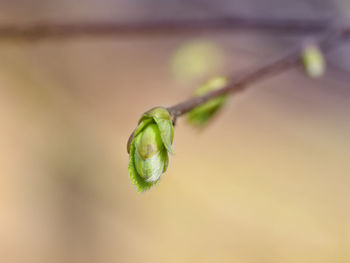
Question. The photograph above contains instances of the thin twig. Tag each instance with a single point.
(235, 85)
(45, 30)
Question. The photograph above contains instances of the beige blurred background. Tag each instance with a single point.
(267, 181)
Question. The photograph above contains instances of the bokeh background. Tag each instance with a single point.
(266, 181)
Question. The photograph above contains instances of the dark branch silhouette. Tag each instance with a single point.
(51, 30)
(308, 27)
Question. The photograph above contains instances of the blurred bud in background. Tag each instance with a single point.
(313, 61)
(195, 59)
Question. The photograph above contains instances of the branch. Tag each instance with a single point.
(291, 60)
(40, 31)
(151, 142)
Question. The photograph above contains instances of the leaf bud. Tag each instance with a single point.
(148, 148)
(200, 115)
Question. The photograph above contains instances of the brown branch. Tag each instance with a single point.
(291, 60)
(40, 31)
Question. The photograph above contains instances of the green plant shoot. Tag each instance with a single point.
(148, 148)
(200, 115)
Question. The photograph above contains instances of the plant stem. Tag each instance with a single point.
(43, 30)
(235, 85)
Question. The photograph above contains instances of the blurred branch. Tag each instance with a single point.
(235, 85)
(46, 30)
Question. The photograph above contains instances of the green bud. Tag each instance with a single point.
(148, 148)
(200, 115)
(158, 113)
(313, 61)
(151, 169)
(149, 142)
